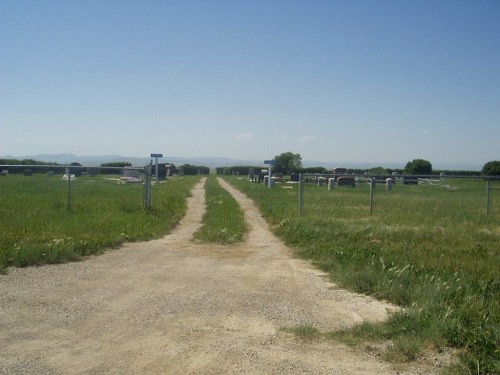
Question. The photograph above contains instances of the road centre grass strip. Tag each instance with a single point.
(223, 222)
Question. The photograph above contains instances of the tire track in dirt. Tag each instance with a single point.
(173, 306)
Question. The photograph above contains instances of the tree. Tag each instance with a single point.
(287, 162)
(193, 170)
(418, 166)
(492, 168)
(378, 170)
(117, 164)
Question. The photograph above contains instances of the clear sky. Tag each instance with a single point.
(353, 80)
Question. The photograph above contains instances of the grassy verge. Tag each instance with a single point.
(431, 250)
(36, 227)
(223, 221)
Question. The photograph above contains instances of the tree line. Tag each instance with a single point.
(288, 163)
(285, 163)
(34, 166)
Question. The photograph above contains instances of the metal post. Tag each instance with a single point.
(269, 177)
(488, 189)
(372, 191)
(150, 188)
(145, 192)
(301, 194)
(156, 163)
(69, 188)
(147, 186)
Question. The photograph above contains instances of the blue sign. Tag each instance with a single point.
(156, 155)
(270, 162)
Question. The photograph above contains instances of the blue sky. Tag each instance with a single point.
(355, 81)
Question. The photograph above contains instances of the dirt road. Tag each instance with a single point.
(172, 306)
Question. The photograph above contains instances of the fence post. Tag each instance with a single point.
(372, 191)
(69, 188)
(488, 188)
(147, 186)
(301, 194)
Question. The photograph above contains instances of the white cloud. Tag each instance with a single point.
(428, 135)
(244, 137)
(308, 138)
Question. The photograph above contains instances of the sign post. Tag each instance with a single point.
(156, 156)
(270, 163)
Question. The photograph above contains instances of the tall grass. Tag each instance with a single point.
(429, 249)
(36, 226)
(223, 221)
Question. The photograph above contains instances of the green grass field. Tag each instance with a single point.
(428, 248)
(36, 226)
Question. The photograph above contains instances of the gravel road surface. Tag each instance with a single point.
(174, 306)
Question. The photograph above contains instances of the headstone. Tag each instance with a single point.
(346, 181)
(388, 184)
(331, 184)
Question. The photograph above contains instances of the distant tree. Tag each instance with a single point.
(117, 164)
(320, 170)
(418, 166)
(193, 170)
(492, 168)
(188, 169)
(378, 170)
(287, 162)
(203, 169)
(17, 165)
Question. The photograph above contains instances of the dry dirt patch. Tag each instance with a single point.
(172, 306)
